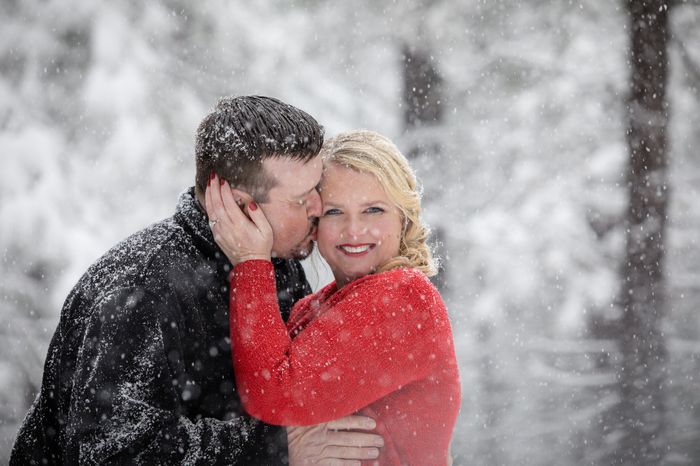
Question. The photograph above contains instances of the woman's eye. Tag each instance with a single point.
(331, 212)
(374, 210)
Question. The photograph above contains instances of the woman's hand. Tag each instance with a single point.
(243, 233)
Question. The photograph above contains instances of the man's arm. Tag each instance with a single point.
(334, 443)
(127, 401)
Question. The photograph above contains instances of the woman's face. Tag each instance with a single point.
(360, 227)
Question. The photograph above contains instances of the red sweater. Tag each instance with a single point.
(381, 346)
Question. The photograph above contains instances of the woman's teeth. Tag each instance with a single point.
(355, 249)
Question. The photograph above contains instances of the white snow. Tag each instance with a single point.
(99, 102)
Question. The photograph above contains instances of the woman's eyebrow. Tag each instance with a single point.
(373, 203)
(364, 204)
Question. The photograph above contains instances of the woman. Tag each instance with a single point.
(377, 341)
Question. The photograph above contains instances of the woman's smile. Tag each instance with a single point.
(356, 249)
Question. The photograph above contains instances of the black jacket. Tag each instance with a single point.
(139, 369)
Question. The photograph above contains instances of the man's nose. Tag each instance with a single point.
(313, 205)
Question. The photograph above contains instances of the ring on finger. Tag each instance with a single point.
(213, 222)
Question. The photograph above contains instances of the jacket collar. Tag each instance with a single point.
(192, 217)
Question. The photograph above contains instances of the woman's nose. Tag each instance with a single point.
(354, 228)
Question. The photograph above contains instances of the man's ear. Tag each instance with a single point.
(242, 198)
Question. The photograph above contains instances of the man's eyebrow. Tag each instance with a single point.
(306, 193)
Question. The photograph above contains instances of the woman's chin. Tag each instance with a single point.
(352, 275)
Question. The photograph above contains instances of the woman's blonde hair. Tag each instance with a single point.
(370, 152)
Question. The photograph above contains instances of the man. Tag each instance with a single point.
(139, 369)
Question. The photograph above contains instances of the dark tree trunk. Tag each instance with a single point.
(422, 89)
(423, 110)
(641, 338)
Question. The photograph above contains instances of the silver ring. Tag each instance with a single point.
(212, 223)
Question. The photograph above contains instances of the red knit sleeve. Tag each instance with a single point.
(381, 333)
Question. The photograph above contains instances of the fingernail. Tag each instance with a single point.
(222, 181)
(371, 424)
(211, 176)
(372, 453)
(253, 206)
(379, 442)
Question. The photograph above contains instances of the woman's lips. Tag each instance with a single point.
(355, 249)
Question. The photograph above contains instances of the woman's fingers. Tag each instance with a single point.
(237, 235)
(213, 199)
(256, 214)
(208, 205)
(263, 226)
(220, 212)
(224, 208)
(233, 209)
(241, 215)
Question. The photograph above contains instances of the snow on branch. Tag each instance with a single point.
(691, 66)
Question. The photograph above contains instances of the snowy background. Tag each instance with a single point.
(524, 175)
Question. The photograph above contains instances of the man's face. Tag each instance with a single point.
(293, 205)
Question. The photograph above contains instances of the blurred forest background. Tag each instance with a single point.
(556, 141)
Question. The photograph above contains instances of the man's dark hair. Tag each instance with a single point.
(241, 132)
